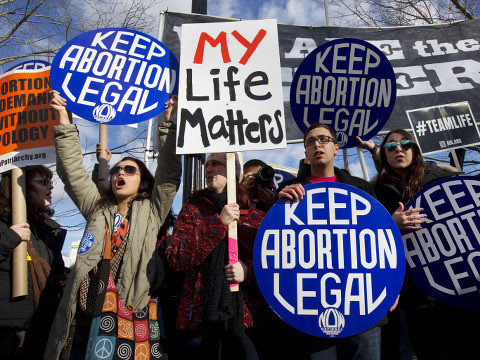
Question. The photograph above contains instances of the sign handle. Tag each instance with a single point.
(19, 215)
(455, 160)
(345, 159)
(232, 227)
(102, 159)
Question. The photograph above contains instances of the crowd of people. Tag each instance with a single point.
(146, 285)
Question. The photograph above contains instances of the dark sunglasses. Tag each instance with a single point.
(322, 139)
(44, 181)
(404, 144)
(129, 170)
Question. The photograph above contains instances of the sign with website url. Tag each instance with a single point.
(444, 127)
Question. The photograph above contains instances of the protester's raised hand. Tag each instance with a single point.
(293, 192)
(58, 103)
(99, 151)
(235, 273)
(409, 219)
(230, 212)
(22, 230)
(367, 145)
(170, 109)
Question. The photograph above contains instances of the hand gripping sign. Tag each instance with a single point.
(115, 76)
(443, 257)
(332, 264)
(347, 84)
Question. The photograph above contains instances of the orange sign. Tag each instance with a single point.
(26, 118)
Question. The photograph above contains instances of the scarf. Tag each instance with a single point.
(90, 283)
(223, 316)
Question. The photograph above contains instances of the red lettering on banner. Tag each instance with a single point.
(221, 39)
(251, 46)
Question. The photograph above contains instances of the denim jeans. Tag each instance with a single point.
(363, 346)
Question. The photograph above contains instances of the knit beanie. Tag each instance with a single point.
(222, 158)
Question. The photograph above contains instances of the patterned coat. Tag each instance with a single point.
(198, 230)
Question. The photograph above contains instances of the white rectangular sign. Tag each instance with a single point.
(230, 88)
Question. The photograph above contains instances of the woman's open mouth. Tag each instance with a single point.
(120, 183)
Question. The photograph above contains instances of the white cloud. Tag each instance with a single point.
(176, 5)
(224, 8)
(298, 12)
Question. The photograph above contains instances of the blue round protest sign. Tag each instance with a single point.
(281, 176)
(115, 76)
(347, 84)
(332, 264)
(30, 65)
(443, 257)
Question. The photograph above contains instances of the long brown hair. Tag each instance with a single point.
(416, 170)
(32, 209)
(108, 198)
(243, 200)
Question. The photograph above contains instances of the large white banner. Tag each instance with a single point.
(230, 89)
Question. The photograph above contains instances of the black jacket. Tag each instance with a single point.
(342, 177)
(390, 193)
(47, 238)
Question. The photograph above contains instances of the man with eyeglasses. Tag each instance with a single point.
(321, 147)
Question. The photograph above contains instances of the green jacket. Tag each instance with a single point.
(146, 219)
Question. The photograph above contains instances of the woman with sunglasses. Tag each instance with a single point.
(118, 248)
(211, 320)
(402, 172)
(25, 321)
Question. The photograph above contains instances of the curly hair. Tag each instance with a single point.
(416, 170)
(108, 198)
(33, 210)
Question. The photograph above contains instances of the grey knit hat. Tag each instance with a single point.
(222, 158)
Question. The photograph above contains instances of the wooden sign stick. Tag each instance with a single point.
(232, 227)
(102, 159)
(19, 215)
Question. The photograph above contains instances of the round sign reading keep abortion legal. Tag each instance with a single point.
(332, 264)
(443, 257)
(347, 84)
(30, 65)
(115, 76)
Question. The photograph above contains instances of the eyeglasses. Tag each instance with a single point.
(404, 144)
(322, 139)
(44, 181)
(129, 170)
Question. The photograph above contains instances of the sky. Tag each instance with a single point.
(299, 12)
